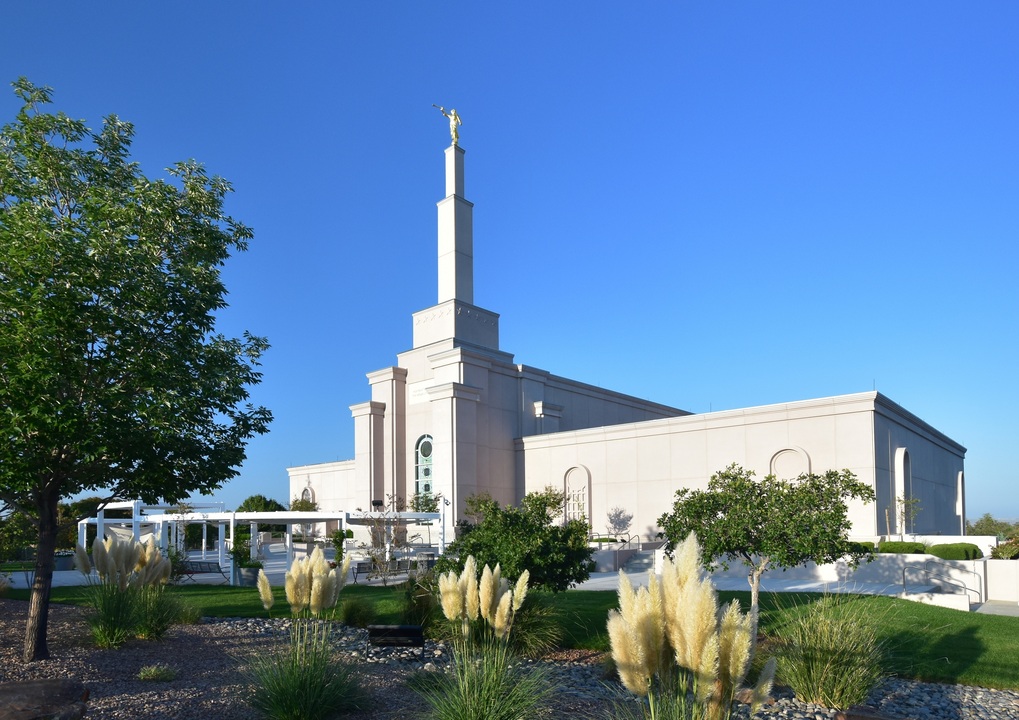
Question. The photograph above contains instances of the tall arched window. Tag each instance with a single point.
(423, 465)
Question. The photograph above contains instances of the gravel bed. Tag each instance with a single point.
(210, 657)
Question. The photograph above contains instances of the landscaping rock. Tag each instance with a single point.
(861, 712)
(61, 699)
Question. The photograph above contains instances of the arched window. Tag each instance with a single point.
(423, 465)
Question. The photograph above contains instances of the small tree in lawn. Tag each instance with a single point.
(112, 376)
(769, 522)
(532, 537)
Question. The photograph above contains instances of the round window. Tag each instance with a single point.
(426, 449)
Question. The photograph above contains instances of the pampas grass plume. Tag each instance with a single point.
(450, 596)
(488, 599)
(265, 590)
(81, 561)
(520, 590)
(503, 620)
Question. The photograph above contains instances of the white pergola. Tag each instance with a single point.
(163, 524)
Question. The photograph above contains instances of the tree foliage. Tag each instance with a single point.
(299, 504)
(988, 525)
(530, 537)
(261, 503)
(769, 522)
(112, 377)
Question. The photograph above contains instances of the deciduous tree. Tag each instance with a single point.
(769, 522)
(531, 537)
(112, 377)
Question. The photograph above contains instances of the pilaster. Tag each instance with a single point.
(389, 386)
(455, 433)
(369, 457)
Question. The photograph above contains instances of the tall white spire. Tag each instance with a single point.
(455, 321)
(456, 234)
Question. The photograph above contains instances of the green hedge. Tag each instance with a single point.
(865, 546)
(897, 547)
(956, 551)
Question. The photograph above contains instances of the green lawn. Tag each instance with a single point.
(927, 642)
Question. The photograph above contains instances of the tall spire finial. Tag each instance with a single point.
(454, 122)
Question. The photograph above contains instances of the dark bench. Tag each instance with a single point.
(395, 636)
(361, 567)
(190, 568)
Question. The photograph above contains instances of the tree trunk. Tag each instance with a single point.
(754, 578)
(39, 604)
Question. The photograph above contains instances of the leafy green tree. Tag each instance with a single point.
(424, 502)
(112, 377)
(17, 533)
(988, 525)
(529, 537)
(303, 505)
(767, 523)
(261, 503)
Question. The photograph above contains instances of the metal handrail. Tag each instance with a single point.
(955, 583)
(928, 575)
(979, 577)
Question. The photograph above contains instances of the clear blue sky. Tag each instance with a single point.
(713, 205)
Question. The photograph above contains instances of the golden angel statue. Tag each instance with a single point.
(454, 122)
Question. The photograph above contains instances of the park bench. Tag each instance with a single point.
(190, 568)
(361, 567)
(395, 636)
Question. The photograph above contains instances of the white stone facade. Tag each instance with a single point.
(456, 416)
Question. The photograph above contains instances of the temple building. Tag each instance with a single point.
(456, 416)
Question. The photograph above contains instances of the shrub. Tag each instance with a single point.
(357, 612)
(956, 551)
(530, 537)
(898, 547)
(419, 601)
(862, 547)
(1008, 550)
(830, 654)
(157, 673)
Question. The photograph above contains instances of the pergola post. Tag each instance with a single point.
(233, 567)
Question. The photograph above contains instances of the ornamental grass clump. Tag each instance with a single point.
(831, 653)
(128, 598)
(674, 648)
(485, 680)
(302, 679)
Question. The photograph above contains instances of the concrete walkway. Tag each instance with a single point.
(610, 581)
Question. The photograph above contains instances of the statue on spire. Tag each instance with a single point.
(454, 122)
